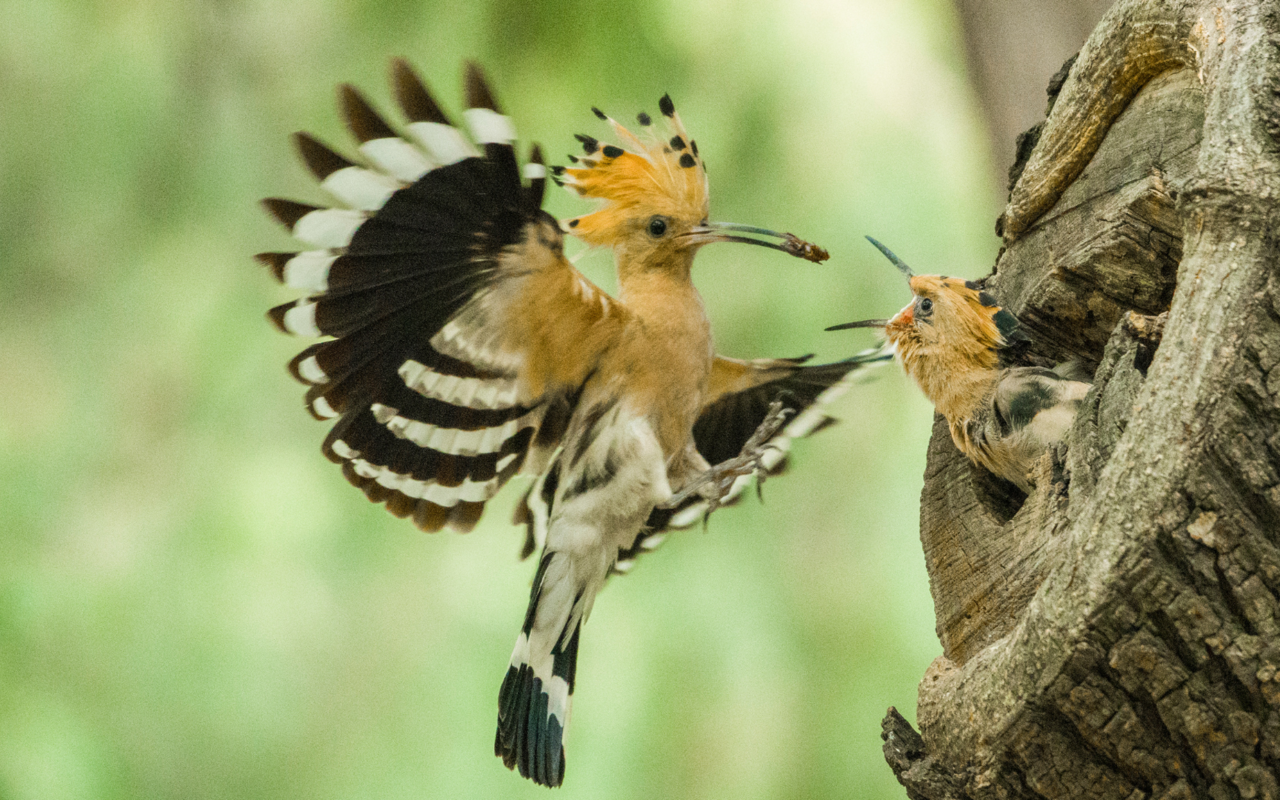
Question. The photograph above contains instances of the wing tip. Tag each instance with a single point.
(412, 95)
(276, 317)
(478, 93)
(287, 212)
(275, 262)
(322, 160)
(464, 516)
(364, 123)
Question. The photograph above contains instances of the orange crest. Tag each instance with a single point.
(638, 179)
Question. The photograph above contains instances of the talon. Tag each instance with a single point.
(750, 461)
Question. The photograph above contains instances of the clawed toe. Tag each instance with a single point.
(715, 484)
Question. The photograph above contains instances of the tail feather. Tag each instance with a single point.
(530, 735)
(534, 701)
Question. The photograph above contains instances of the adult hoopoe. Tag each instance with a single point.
(463, 348)
(950, 338)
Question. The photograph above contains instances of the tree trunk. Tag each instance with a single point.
(1117, 633)
(1010, 47)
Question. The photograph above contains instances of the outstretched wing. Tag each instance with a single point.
(738, 399)
(431, 285)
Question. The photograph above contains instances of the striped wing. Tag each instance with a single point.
(738, 400)
(414, 284)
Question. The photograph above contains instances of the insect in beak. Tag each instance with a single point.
(791, 244)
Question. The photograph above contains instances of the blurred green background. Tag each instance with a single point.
(194, 603)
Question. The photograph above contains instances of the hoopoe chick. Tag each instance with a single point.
(950, 339)
(460, 348)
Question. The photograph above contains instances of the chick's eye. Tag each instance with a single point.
(926, 305)
(657, 227)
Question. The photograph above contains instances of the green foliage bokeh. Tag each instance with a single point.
(193, 602)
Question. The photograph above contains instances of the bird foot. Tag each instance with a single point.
(715, 483)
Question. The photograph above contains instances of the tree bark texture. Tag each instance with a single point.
(1116, 634)
(1010, 47)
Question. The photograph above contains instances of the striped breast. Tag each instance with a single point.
(429, 414)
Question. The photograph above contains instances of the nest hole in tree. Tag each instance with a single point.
(1111, 246)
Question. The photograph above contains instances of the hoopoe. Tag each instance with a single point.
(462, 348)
(951, 338)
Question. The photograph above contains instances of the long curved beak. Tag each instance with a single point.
(863, 323)
(723, 232)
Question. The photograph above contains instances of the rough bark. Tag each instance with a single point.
(1117, 632)
(1010, 47)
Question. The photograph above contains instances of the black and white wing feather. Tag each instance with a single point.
(430, 416)
(739, 398)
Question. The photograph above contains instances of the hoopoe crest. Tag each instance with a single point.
(459, 347)
(641, 178)
(653, 176)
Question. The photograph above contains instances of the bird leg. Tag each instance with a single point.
(716, 482)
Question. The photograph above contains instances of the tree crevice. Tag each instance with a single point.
(1166, 761)
(1116, 632)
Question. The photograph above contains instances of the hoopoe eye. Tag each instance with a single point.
(657, 227)
(926, 305)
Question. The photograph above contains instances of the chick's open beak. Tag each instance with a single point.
(903, 317)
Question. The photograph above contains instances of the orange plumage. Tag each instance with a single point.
(459, 348)
(950, 339)
(643, 177)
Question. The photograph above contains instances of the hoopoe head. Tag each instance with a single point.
(654, 193)
(948, 337)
